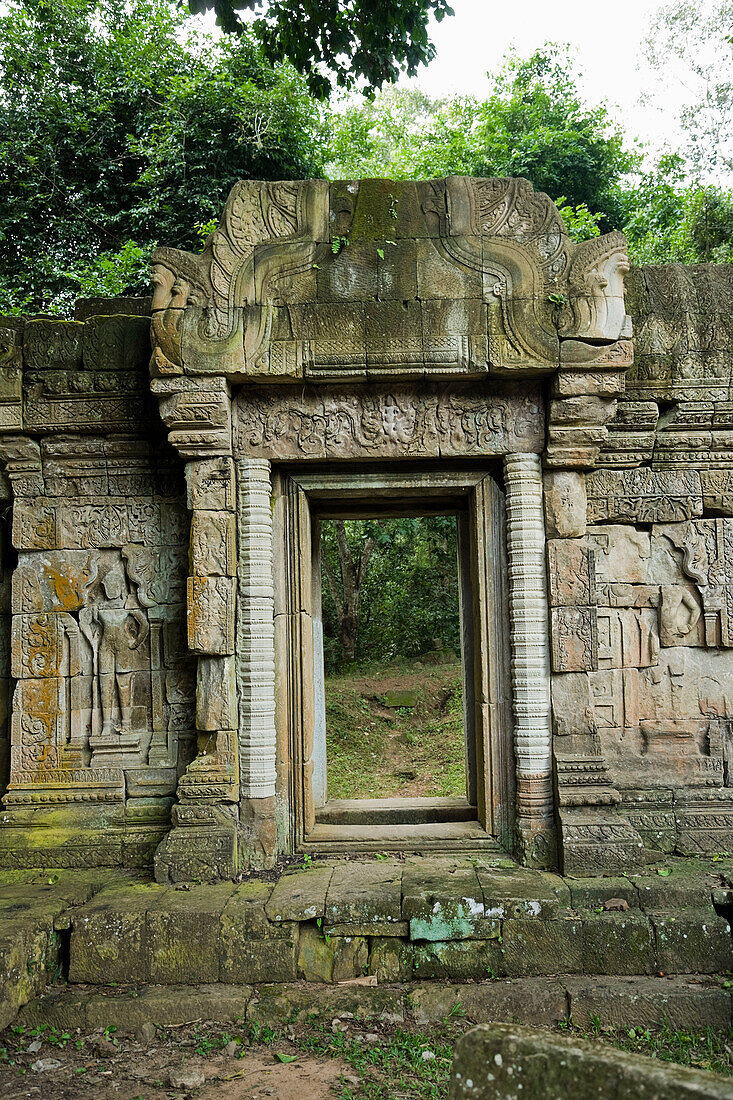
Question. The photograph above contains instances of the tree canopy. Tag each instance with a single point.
(689, 54)
(533, 123)
(390, 588)
(120, 126)
(124, 123)
(367, 41)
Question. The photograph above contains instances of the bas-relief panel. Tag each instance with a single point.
(316, 423)
(641, 636)
(103, 708)
(103, 684)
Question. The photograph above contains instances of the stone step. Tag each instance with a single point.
(440, 836)
(34, 925)
(400, 921)
(394, 811)
(684, 1002)
(389, 920)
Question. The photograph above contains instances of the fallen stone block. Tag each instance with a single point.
(684, 1003)
(496, 1061)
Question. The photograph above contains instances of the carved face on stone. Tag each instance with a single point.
(170, 295)
(170, 291)
(597, 289)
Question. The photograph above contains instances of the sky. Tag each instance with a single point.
(608, 39)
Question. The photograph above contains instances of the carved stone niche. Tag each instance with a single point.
(365, 323)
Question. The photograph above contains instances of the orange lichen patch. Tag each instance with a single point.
(40, 705)
(68, 586)
(41, 697)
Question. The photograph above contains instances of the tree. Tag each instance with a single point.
(122, 124)
(534, 123)
(667, 219)
(354, 548)
(688, 52)
(355, 40)
(391, 587)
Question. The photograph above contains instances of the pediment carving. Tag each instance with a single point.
(362, 280)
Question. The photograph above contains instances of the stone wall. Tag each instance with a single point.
(102, 717)
(642, 599)
(446, 322)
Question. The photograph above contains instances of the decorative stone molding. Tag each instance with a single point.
(528, 615)
(204, 839)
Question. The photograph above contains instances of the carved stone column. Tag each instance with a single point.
(528, 616)
(256, 662)
(204, 840)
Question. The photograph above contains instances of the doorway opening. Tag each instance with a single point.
(364, 767)
(394, 695)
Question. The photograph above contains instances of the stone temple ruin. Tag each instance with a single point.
(367, 346)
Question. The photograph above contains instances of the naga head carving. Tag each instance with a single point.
(179, 280)
(596, 288)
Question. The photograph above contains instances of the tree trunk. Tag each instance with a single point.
(346, 598)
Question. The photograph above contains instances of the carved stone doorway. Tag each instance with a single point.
(474, 495)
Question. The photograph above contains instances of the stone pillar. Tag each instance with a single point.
(256, 662)
(528, 617)
(204, 840)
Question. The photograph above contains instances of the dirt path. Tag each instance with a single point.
(379, 751)
(163, 1072)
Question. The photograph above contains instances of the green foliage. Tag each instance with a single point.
(534, 123)
(113, 273)
(703, 1049)
(409, 594)
(667, 220)
(580, 223)
(122, 124)
(354, 40)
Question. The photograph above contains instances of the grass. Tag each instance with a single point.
(700, 1049)
(385, 1062)
(376, 751)
(394, 1068)
(391, 1069)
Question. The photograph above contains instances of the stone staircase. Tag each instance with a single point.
(416, 939)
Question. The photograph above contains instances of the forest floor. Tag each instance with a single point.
(345, 1059)
(379, 751)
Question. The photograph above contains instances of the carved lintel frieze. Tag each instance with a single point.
(404, 421)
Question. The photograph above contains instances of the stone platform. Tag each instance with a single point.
(410, 938)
